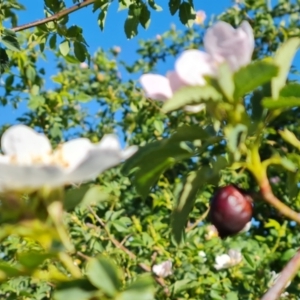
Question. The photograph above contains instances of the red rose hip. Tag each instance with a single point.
(230, 210)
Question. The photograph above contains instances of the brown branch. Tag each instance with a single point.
(286, 275)
(143, 266)
(54, 17)
(268, 195)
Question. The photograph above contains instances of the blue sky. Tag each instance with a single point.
(113, 34)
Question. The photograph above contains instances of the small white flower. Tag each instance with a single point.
(200, 17)
(225, 261)
(202, 254)
(84, 65)
(30, 163)
(163, 269)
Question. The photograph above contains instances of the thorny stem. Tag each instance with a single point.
(54, 17)
(143, 266)
(269, 197)
(286, 275)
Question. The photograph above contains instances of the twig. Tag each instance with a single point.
(268, 195)
(54, 17)
(143, 266)
(195, 224)
(286, 275)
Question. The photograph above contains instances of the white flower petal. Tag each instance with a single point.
(73, 152)
(15, 177)
(175, 82)
(163, 269)
(99, 158)
(234, 45)
(156, 87)
(24, 144)
(192, 65)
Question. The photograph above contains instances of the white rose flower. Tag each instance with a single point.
(231, 259)
(163, 269)
(235, 46)
(28, 161)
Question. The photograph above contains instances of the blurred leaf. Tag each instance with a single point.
(225, 81)
(103, 274)
(32, 260)
(80, 51)
(191, 95)
(288, 254)
(79, 289)
(141, 289)
(9, 40)
(281, 102)
(283, 58)
(153, 159)
(145, 16)
(4, 61)
(174, 6)
(290, 90)
(187, 14)
(64, 47)
(253, 76)
(102, 18)
(185, 203)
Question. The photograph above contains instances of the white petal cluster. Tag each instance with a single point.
(222, 43)
(163, 269)
(231, 259)
(28, 161)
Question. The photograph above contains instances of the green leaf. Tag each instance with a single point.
(232, 296)
(185, 203)
(235, 137)
(225, 81)
(283, 59)
(154, 6)
(102, 18)
(35, 102)
(131, 26)
(141, 289)
(80, 51)
(253, 76)
(249, 260)
(191, 95)
(291, 90)
(9, 40)
(82, 97)
(79, 289)
(64, 47)
(290, 137)
(288, 254)
(30, 73)
(281, 102)
(153, 159)
(174, 6)
(187, 14)
(31, 260)
(4, 61)
(83, 196)
(144, 17)
(103, 274)
(52, 42)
